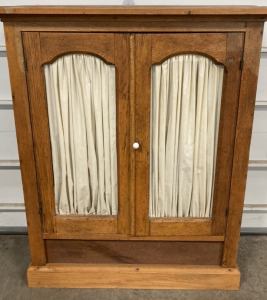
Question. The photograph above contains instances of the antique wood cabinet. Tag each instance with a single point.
(133, 127)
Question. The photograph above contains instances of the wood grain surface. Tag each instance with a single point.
(40, 128)
(53, 45)
(142, 131)
(134, 252)
(134, 277)
(243, 133)
(25, 142)
(228, 117)
(212, 45)
(135, 10)
(122, 63)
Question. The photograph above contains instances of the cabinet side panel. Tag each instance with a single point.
(246, 105)
(234, 52)
(41, 136)
(25, 142)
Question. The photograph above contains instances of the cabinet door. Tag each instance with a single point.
(78, 96)
(187, 89)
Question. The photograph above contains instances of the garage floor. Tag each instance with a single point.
(15, 258)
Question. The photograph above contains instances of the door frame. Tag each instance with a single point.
(43, 48)
(223, 48)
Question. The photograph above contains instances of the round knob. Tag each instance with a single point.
(136, 145)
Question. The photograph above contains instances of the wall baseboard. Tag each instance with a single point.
(13, 230)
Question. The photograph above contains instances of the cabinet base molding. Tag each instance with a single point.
(133, 276)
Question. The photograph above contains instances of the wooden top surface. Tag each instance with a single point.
(230, 10)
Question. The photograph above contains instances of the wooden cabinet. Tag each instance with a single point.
(134, 174)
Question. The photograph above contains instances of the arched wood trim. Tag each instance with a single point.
(55, 58)
(225, 64)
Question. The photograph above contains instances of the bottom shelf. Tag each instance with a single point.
(133, 276)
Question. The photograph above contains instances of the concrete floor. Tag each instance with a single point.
(15, 258)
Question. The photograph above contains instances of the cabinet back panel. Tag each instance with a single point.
(134, 252)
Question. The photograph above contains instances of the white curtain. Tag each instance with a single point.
(82, 120)
(185, 112)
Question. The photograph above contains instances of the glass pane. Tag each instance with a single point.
(82, 120)
(185, 111)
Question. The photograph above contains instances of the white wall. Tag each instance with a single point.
(12, 215)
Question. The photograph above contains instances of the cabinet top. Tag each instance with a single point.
(134, 10)
(116, 12)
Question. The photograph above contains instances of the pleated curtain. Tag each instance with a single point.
(185, 111)
(82, 120)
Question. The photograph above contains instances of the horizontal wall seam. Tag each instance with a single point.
(6, 106)
(251, 206)
(254, 211)
(9, 167)
(19, 207)
(23, 230)
(16, 165)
